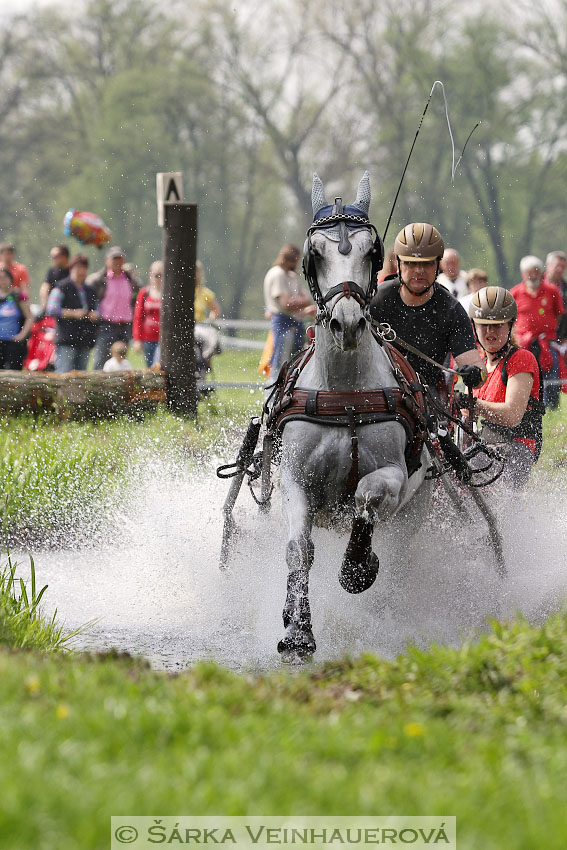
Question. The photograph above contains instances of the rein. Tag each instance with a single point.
(384, 330)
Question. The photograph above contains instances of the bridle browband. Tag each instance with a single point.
(347, 288)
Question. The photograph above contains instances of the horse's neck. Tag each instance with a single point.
(339, 371)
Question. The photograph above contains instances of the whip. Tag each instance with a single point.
(454, 164)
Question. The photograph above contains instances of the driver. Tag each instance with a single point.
(511, 401)
(424, 313)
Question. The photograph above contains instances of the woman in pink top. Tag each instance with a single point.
(145, 329)
(116, 293)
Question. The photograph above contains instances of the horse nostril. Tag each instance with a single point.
(335, 326)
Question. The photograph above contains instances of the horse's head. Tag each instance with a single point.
(342, 256)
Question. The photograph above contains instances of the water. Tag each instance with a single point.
(154, 586)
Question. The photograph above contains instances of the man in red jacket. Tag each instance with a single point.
(540, 305)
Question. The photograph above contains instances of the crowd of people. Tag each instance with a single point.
(508, 346)
(80, 314)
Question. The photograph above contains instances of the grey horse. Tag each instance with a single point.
(316, 458)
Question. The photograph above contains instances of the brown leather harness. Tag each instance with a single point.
(403, 403)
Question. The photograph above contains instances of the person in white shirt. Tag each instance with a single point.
(117, 362)
(287, 304)
(476, 279)
(452, 278)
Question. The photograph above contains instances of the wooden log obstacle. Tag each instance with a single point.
(79, 395)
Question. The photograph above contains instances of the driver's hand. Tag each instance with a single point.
(473, 376)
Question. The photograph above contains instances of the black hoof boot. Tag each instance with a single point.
(298, 642)
(360, 565)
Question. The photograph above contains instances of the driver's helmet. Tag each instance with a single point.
(493, 305)
(417, 242)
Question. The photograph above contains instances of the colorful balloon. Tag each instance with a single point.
(87, 227)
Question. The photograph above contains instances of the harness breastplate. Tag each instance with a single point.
(403, 403)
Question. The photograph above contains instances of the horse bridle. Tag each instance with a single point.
(347, 288)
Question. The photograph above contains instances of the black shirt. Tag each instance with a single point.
(438, 327)
(78, 332)
(54, 274)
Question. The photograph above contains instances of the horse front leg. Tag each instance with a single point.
(377, 496)
(298, 641)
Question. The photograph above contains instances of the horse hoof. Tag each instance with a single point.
(356, 577)
(297, 644)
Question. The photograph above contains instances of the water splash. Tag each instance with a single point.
(154, 581)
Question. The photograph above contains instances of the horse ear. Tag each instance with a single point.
(318, 199)
(363, 195)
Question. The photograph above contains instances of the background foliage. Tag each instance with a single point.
(248, 101)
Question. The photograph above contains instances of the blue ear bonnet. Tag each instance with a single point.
(347, 210)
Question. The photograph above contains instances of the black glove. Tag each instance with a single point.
(473, 376)
(465, 401)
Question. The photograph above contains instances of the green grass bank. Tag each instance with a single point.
(479, 733)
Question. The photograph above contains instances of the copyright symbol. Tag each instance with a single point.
(126, 834)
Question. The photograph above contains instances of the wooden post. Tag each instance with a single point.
(178, 307)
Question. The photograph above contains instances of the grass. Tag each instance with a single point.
(22, 623)
(56, 478)
(554, 452)
(477, 732)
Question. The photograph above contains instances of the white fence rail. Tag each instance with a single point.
(234, 342)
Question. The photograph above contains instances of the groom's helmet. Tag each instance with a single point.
(493, 305)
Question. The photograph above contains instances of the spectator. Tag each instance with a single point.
(206, 304)
(476, 279)
(555, 265)
(288, 304)
(539, 307)
(59, 255)
(18, 271)
(390, 266)
(118, 362)
(452, 278)
(147, 312)
(75, 308)
(116, 294)
(15, 322)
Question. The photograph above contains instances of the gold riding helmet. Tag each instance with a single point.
(418, 242)
(493, 305)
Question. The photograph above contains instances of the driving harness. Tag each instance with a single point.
(403, 403)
